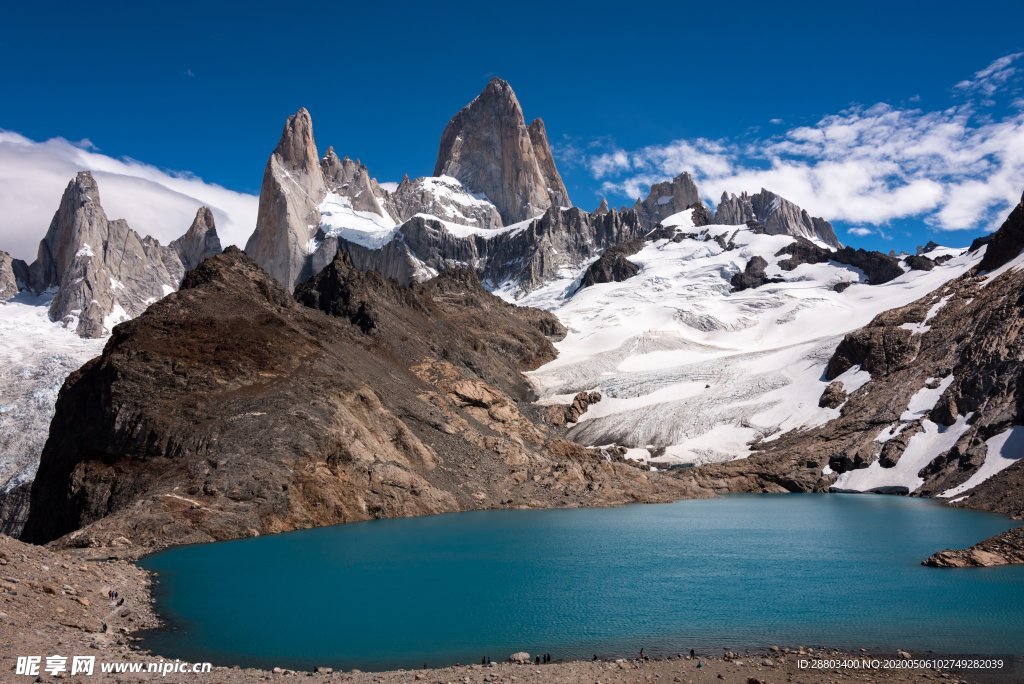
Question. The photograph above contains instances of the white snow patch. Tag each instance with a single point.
(922, 449)
(853, 378)
(84, 251)
(1004, 450)
(339, 219)
(924, 399)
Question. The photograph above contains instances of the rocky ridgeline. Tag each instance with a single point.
(493, 170)
(774, 215)
(101, 271)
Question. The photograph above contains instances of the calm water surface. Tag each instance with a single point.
(739, 571)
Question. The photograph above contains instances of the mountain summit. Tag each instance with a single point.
(489, 148)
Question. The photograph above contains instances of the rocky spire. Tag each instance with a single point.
(668, 198)
(733, 210)
(489, 149)
(779, 216)
(352, 179)
(555, 186)
(199, 242)
(602, 208)
(288, 216)
(103, 271)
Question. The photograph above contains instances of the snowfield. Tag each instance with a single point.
(36, 357)
(691, 371)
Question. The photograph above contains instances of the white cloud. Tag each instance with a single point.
(33, 176)
(992, 77)
(866, 165)
(860, 231)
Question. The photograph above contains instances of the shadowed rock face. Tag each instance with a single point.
(613, 266)
(230, 409)
(103, 270)
(488, 147)
(13, 276)
(199, 242)
(1007, 242)
(878, 268)
(752, 276)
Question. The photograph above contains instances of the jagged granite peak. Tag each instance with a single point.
(199, 242)
(288, 215)
(297, 149)
(779, 216)
(13, 276)
(352, 179)
(490, 150)
(602, 208)
(671, 197)
(103, 271)
(733, 210)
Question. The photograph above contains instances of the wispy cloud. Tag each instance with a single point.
(990, 79)
(860, 231)
(867, 165)
(33, 176)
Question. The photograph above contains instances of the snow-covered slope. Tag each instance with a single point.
(688, 366)
(35, 358)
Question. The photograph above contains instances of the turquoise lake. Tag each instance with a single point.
(738, 571)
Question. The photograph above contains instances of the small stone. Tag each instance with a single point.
(84, 601)
(323, 670)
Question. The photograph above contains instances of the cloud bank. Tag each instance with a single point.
(957, 169)
(33, 176)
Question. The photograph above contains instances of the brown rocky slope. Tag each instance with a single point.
(229, 409)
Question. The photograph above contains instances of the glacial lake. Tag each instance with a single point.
(737, 571)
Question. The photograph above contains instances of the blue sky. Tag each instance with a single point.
(742, 93)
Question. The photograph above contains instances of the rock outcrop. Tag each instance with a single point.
(13, 276)
(613, 266)
(102, 270)
(1007, 242)
(230, 409)
(1003, 549)
(753, 275)
(199, 242)
(490, 150)
(776, 215)
(878, 268)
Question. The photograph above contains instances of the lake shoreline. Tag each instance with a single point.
(68, 588)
